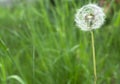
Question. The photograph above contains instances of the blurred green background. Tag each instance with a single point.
(41, 36)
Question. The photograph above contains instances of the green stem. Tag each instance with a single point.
(94, 60)
(33, 64)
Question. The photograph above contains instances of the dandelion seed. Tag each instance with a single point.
(89, 17)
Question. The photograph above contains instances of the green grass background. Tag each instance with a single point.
(43, 37)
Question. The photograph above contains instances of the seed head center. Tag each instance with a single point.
(89, 20)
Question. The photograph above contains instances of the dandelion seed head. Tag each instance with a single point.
(89, 17)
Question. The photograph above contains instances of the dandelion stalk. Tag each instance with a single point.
(94, 60)
(33, 64)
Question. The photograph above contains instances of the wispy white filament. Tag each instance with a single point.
(89, 17)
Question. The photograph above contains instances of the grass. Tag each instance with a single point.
(62, 52)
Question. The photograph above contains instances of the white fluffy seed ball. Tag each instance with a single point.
(89, 17)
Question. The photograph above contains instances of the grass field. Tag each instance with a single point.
(40, 44)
